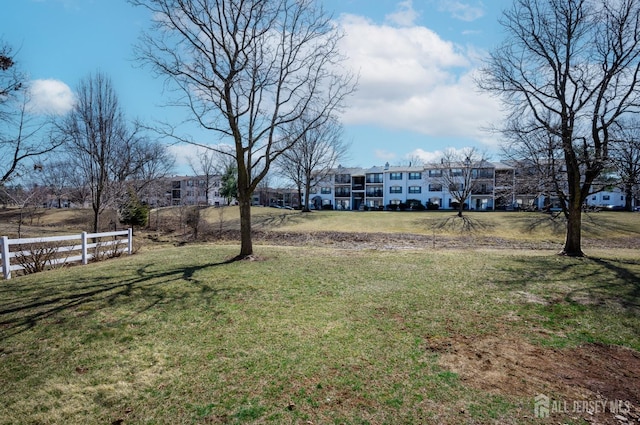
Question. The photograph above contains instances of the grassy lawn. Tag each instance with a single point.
(306, 335)
(510, 225)
(519, 226)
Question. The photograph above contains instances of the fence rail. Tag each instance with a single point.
(45, 252)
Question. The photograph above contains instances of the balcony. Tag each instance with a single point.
(482, 191)
(357, 183)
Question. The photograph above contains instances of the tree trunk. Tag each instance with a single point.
(305, 201)
(246, 244)
(461, 208)
(573, 241)
(628, 197)
(96, 219)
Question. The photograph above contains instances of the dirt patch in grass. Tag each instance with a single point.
(584, 380)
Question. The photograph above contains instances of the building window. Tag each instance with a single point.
(415, 189)
(605, 197)
(435, 173)
(343, 204)
(455, 187)
(482, 173)
(415, 176)
(343, 178)
(456, 172)
(325, 191)
(395, 189)
(374, 191)
(395, 176)
(343, 192)
(374, 178)
(435, 187)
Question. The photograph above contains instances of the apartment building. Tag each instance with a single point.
(193, 190)
(496, 186)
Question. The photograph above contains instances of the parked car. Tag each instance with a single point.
(613, 208)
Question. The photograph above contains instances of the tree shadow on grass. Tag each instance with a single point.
(624, 289)
(555, 223)
(590, 281)
(599, 224)
(35, 303)
(464, 224)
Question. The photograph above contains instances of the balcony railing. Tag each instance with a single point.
(375, 193)
(487, 191)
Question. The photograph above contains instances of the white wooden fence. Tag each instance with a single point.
(33, 248)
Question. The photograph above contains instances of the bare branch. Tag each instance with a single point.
(247, 70)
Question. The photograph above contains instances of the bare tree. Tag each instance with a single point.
(56, 176)
(79, 192)
(23, 137)
(149, 162)
(263, 189)
(310, 160)
(538, 160)
(460, 174)
(246, 69)
(28, 199)
(11, 79)
(572, 66)
(206, 165)
(99, 141)
(625, 158)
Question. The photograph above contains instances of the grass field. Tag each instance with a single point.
(517, 226)
(318, 335)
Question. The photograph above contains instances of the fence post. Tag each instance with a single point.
(130, 236)
(84, 247)
(6, 261)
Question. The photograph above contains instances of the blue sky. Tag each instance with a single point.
(416, 60)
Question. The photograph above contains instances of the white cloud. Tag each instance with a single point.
(385, 155)
(50, 97)
(185, 152)
(411, 79)
(182, 153)
(404, 16)
(462, 10)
